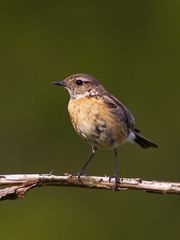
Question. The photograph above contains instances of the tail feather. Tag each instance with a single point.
(143, 142)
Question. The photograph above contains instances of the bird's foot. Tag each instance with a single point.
(79, 175)
(117, 182)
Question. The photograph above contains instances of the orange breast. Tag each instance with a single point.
(94, 121)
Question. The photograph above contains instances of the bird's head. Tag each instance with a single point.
(81, 85)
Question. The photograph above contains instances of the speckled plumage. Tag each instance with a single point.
(96, 123)
(97, 115)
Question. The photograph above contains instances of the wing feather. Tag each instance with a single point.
(119, 109)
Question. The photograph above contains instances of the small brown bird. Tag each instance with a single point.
(100, 118)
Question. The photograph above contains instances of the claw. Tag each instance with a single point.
(79, 174)
(117, 182)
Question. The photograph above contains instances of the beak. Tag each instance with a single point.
(59, 83)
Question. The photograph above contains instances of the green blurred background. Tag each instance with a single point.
(133, 48)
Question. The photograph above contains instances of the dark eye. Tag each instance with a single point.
(79, 82)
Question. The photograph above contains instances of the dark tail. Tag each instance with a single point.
(143, 142)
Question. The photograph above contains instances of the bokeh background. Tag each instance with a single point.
(133, 48)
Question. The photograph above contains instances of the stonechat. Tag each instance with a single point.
(100, 118)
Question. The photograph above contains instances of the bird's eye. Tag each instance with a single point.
(79, 82)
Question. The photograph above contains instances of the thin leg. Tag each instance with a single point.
(81, 172)
(116, 168)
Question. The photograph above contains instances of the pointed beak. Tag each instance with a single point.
(59, 83)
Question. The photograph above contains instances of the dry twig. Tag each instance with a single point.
(16, 185)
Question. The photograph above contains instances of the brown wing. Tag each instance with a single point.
(120, 110)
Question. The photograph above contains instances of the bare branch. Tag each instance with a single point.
(16, 186)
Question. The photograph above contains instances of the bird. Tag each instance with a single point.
(100, 118)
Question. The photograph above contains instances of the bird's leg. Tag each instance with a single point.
(116, 170)
(81, 172)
